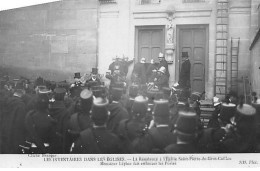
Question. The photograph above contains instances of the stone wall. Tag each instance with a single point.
(53, 40)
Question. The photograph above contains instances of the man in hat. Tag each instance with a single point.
(162, 79)
(60, 114)
(13, 128)
(139, 72)
(163, 63)
(75, 88)
(241, 134)
(186, 130)
(81, 120)
(97, 139)
(184, 77)
(94, 77)
(159, 135)
(116, 109)
(130, 129)
(40, 126)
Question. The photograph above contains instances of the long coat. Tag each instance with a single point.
(184, 78)
(13, 130)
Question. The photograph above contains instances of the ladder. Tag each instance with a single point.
(221, 49)
(234, 63)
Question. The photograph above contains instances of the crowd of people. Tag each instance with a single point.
(87, 117)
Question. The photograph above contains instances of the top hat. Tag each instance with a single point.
(227, 112)
(94, 71)
(140, 105)
(184, 54)
(161, 108)
(99, 111)
(187, 122)
(117, 92)
(160, 55)
(77, 75)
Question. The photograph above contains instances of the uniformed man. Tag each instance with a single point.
(81, 120)
(116, 109)
(162, 79)
(130, 129)
(159, 135)
(60, 114)
(241, 135)
(163, 63)
(186, 128)
(98, 140)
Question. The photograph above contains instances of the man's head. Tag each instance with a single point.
(184, 56)
(77, 76)
(94, 73)
(86, 99)
(161, 57)
(142, 61)
(162, 71)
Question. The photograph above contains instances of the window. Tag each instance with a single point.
(145, 2)
(192, 1)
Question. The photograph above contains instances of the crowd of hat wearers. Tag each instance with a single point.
(88, 117)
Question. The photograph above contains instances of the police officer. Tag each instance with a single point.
(186, 128)
(159, 135)
(116, 109)
(98, 140)
(129, 129)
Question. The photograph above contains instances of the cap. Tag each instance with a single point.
(184, 54)
(77, 75)
(140, 106)
(117, 92)
(99, 111)
(161, 108)
(187, 122)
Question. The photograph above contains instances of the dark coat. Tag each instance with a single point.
(140, 71)
(155, 140)
(149, 72)
(13, 130)
(184, 78)
(97, 141)
(44, 127)
(61, 115)
(117, 113)
(162, 81)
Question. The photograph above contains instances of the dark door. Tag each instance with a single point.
(193, 40)
(150, 42)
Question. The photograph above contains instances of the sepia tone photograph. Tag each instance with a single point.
(164, 81)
